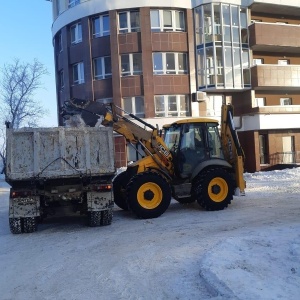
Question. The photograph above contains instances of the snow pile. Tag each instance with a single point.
(263, 265)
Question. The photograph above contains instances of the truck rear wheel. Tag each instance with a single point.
(149, 195)
(214, 189)
(15, 225)
(106, 217)
(29, 224)
(119, 189)
(94, 218)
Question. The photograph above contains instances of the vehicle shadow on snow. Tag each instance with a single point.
(80, 222)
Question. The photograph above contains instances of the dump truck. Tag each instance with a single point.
(52, 170)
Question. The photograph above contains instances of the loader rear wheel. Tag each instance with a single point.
(149, 195)
(119, 189)
(214, 189)
(15, 225)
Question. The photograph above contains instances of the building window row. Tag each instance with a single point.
(129, 21)
(165, 105)
(281, 62)
(261, 101)
(131, 65)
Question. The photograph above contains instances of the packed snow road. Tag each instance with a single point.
(251, 250)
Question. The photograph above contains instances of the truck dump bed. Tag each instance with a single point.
(59, 152)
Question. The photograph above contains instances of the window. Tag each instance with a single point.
(283, 62)
(73, 2)
(58, 42)
(285, 101)
(129, 21)
(214, 105)
(263, 148)
(134, 152)
(100, 26)
(76, 33)
(169, 63)
(258, 61)
(105, 100)
(131, 64)
(61, 79)
(60, 6)
(260, 101)
(134, 105)
(102, 67)
(167, 20)
(172, 106)
(78, 73)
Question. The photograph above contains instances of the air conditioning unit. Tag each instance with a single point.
(199, 96)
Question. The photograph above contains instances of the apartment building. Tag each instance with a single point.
(175, 59)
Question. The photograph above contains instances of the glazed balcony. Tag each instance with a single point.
(275, 77)
(274, 37)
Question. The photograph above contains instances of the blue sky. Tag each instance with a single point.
(26, 35)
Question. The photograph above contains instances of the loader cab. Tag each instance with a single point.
(191, 142)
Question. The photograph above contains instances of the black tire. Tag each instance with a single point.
(15, 225)
(29, 225)
(119, 190)
(94, 218)
(106, 217)
(214, 189)
(149, 195)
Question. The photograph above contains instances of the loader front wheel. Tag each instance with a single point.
(214, 189)
(149, 195)
(119, 189)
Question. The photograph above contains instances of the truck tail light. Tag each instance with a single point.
(21, 194)
(102, 188)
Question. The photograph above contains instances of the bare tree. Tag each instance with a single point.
(2, 150)
(19, 83)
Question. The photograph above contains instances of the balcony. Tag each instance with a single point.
(273, 37)
(276, 109)
(275, 77)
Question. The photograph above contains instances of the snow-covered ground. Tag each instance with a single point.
(251, 250)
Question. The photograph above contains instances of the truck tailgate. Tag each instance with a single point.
(59, 152)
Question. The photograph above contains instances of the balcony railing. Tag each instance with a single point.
(274, 37)
(275, 77)
(292, 157)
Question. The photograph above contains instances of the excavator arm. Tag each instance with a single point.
(232, 148)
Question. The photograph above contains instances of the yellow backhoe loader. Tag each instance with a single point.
(191, 161)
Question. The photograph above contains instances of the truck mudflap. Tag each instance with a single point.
(99, 201)
(26, 207)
